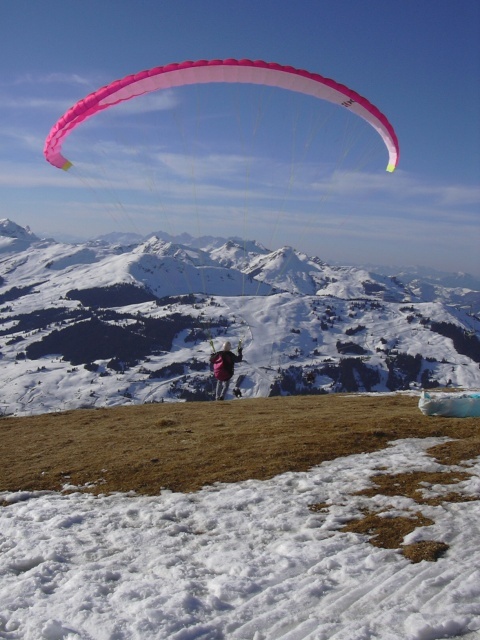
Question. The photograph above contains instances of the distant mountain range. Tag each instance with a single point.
(124, 319)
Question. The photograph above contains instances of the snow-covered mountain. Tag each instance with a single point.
(128, 320)
(13, 237)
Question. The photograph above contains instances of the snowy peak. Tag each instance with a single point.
(13, 237)
(9, 229)
(169, 269)
(292, 271)
(179, 253)
(236, 254)
(286, 270)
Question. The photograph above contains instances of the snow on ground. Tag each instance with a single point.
(245, 561)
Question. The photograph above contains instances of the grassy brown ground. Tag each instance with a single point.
(184, 446)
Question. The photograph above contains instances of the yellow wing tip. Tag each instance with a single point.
(391, 168)
(67, 165)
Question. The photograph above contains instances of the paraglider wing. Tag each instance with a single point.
(208, 71)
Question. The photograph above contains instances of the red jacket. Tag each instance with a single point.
(224, 363)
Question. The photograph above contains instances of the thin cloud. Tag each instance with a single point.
(18, 140)
(35, 174)
(26, 103)
(53, 78)
(403, 186)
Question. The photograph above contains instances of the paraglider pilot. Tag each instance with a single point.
(223, 363)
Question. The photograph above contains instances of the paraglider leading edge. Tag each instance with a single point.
(209, 71)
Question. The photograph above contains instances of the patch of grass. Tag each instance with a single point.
(220, 442)
(387, 531)
(424, 550)
(415, 485)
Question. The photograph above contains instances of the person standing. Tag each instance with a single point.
(223, 363)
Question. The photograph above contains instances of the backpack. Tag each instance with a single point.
(220, 371)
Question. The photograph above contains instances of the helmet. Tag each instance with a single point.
(226, 346)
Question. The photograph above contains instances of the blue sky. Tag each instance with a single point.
(418, 62)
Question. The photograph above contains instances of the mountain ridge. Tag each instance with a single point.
(100, 324)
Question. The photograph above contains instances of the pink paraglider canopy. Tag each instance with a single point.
(207, 71)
